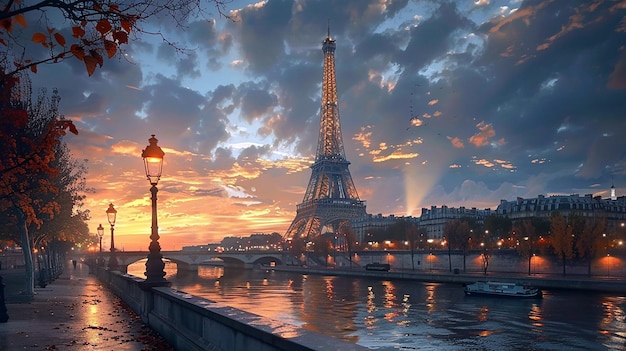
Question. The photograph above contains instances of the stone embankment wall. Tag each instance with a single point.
(500, 261)
(193, 323)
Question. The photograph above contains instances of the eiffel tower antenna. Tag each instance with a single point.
(331, 200)
(328, 28)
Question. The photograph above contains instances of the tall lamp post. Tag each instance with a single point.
(153, 162)
(100, 230)
(608, 256)
(100, 235)
(112, 216)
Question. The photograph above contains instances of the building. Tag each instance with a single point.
(366, 224)
(433, 220)
(588, 206)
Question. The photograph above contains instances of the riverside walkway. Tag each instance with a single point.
(74, 312)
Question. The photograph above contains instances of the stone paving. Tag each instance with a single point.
(74, 312)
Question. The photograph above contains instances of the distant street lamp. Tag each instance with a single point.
(100, 230)
(608, 256)
(430, 260)
(112, 216)
(100, 235)
(153, 162)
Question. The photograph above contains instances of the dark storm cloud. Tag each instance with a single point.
(175, 107)
(432, 38)
(222, 93)
(468, 107)
(222, 159)
(298, 98)
(184, 115)
(519, 77)
(261, 34)
(255, 100)
(550, 64)
(251, 155)
(205, 41)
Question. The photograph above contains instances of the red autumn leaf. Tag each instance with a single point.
(39, 38)
(103, 26)
(126, 25)
(121, 37)
(78, 32)
(90, 64)
(77, 51)
(97, 56)
(114, 8)
(7, 24)
(60, 39)
(110, 47)
(19, 18)
(33, 68)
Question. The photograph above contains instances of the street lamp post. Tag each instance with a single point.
(608, 256)
(430, 259)
(100, 230)
(153, 162)
(100, 235)
(112, 216)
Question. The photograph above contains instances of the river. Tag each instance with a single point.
(406, 315)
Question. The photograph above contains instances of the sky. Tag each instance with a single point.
(459, 103)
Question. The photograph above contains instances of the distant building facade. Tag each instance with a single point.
(362, 226)
(588, 206)
(433, 220)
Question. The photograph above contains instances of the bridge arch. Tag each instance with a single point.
(268, 260)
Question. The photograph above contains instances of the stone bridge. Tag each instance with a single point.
(188, 260)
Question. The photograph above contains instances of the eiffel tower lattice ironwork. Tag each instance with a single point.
(331, 199)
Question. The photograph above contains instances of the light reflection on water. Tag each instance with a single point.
(406, 315)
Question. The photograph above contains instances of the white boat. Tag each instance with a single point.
(502, 289)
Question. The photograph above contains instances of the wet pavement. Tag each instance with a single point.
(74, 312)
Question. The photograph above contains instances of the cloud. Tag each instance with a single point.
(482, 137)
(440, 103)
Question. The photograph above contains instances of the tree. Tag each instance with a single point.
(459, 235)
(297, 247)
(562, 238)
(487, 244)
(412, 236)
(29, 136)
(96, 29)
(591, 239)
(527, 239)
(499, 227)
(348, 233)
(322, 246)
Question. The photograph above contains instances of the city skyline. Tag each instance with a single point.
(456, 104)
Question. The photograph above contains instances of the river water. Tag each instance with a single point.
(407, 315)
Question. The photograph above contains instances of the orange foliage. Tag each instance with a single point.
(106, 36)
(25, 163)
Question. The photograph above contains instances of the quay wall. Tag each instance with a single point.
(192, 323)
(500, 261)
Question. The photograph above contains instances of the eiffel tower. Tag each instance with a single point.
(331, 199)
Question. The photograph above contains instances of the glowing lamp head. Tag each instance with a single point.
(153, 160)
(111, 214)
(100, 231)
